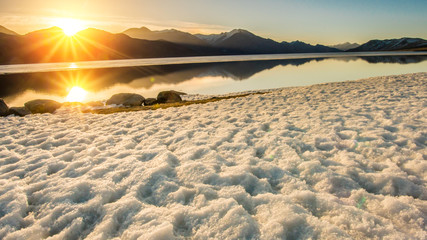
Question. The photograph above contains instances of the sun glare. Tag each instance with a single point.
(76, 94)
(69, 26)
(73, 66)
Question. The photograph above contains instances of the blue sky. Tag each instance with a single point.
(322, 21)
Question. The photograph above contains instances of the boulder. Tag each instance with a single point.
(19, 111)
(42, 106)
(4, 109)
(168, 97)
(126, 99)
(150, 101)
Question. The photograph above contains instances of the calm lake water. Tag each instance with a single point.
(196, 75)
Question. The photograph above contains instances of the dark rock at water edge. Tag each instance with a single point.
(150, 101)
(4, 109)
(42, 106)
(19, 111)
(168, 97)
(126, 99)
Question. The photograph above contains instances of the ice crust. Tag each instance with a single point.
(332, 161)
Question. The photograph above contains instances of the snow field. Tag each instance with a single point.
(331, 161)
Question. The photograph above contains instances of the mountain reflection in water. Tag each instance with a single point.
(57, 84)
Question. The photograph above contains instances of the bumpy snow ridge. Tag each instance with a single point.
(332, 161)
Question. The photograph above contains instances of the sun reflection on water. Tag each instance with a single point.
(73, 66)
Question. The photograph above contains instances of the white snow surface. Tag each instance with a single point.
(332, 161)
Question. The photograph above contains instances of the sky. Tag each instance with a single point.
(313, 21)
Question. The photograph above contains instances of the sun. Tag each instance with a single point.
(76, 94)
(69, 26)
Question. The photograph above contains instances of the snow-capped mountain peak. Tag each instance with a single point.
(216, 38)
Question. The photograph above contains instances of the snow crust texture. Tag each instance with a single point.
(331, 161)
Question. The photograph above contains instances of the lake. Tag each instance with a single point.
(198, 75)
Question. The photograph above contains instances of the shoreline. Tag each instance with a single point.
(337, 160)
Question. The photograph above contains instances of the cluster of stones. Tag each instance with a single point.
(125, 99)
(34, 106)
(134, 100)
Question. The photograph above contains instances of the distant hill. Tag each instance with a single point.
(7, 31)
(345, 46)
(298, 46)
(52, 45)
(243, 41)
(217, 39)
(392, 45)
(170, 35)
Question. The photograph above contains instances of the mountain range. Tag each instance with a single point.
(170, 35)
(52, 45)
(243, 41)
(237, 41)
(392, 45)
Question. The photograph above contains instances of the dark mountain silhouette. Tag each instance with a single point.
(218, 39)
(7, 31)
(9, 46)
(119, 46)
(298, 46)
(345, 46)
(52, 45)
(242, 41)
(170, 35)
(392, 45)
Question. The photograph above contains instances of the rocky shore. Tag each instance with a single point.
(120, 100)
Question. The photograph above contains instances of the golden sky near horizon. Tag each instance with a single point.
(325, 21)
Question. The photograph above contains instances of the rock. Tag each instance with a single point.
(4, 109)
(126, 99)
(168, 97)
(19, 111)
(150, 101)
(42, 106)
